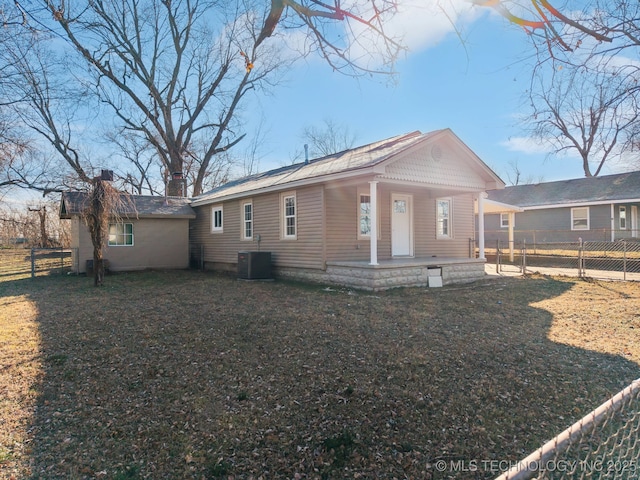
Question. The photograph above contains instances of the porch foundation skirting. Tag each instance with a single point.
(389, 274)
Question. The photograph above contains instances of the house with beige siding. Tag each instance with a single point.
(603, 208)
(151, 232)
(397, 212)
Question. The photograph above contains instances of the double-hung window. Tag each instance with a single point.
(363, 214)
(247, 220)
(216, 219)
(120, 234)
(289, 212)
(580, 218)
(443, 218)
(504, 220)
(622, 211)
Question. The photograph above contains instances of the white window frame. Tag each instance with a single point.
(215, 228)
(504, 220)
(449, 233)
(573, 219)
(367, 193)
(247, 222)
(285, 217)
(117, 235)
(622, 217)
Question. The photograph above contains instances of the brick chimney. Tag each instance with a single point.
(177, 185)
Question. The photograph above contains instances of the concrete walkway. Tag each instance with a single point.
(515, 271)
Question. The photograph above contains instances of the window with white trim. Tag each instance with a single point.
(622, 211)
(443, 218)
(580, 218)
(363, 214)
(289, 213)
(121, 234)
(247, 220)
(216, 219)
(504, 220)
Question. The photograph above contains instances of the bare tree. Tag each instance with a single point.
(175, 74)
(328, 138)
(562, 28)
(137, 173)
(35, 225)
(105, 204)
(584, 91)
(592, 112)
(515, 175)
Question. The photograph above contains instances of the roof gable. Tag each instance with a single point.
(608, 188)
(442, 160)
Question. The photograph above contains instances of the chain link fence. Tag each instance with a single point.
(605, 444)
(619, 260)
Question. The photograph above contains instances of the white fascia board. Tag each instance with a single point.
(432, 186)
(284, 186)
(581, 204)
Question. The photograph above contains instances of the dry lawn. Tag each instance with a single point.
(192, 375)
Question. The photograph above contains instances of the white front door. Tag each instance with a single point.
(401, 225)
(634, 221)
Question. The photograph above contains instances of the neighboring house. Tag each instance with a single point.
(391, 213)
(592, 209)
(153, 232)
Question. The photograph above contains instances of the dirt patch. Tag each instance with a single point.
(192, 375)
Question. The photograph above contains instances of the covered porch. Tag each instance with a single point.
(405, 272)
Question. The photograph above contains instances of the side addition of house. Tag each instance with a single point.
(153, 232)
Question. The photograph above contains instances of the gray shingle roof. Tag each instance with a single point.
(73, 203)
(608, 188)
(346, 161)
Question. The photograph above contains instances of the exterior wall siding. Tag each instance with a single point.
(461, 227)
(342, 225)
(305, 251)
(158, 243)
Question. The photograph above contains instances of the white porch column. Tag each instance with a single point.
(481, 197)
(512, 220)
(373, 237)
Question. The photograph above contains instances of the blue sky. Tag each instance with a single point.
(471, 82)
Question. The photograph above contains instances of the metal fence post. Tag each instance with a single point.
(624, 260)
(33, 263)
(524, 256)
(497, 256)
(580, 258)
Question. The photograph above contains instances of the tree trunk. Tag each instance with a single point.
(44, 238)
(98, 268)
(97, 232)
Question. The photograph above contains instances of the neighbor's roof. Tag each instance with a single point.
(355, 161)
(140, 206)
(580, 191)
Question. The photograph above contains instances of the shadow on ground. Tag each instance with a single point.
(191, 375)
